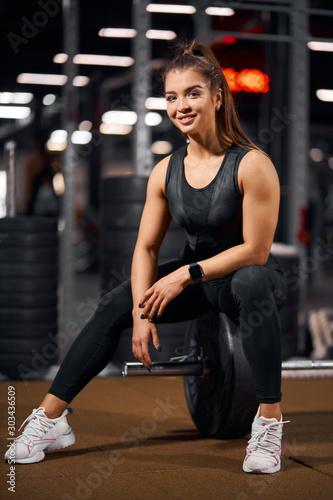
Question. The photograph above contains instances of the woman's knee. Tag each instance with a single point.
(118, 299)
(250, 283)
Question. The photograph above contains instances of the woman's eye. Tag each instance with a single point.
(194, 94)
(170, 99)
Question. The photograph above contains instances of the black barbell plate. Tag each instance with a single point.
(28, 285)
(11, 329)
(28, 315)
(17, 299)
(27, 224)
(30, 240)
(31, 255)
(222, 405)
(17, 269)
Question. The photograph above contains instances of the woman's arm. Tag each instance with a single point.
(154, 223)
(259, 184)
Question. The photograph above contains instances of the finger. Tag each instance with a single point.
(162, 306)
(148, 306)
(145, 360)
(155, 308)
(146, 296)
(156, 340)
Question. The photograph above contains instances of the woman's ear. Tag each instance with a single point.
(219, 97)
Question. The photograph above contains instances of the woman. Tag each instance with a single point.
(225, 192)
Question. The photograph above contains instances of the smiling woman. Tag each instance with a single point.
(224, 192)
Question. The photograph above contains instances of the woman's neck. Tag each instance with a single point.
(206, 147)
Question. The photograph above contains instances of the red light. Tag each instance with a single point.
(229, 39)
(250, 80)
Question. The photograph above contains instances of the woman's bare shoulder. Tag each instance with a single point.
(158, 174)
(257, 167)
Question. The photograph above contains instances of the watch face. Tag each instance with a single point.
(195, 272)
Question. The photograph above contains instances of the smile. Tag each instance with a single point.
(185, 120)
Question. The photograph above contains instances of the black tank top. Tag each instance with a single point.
(211, 216)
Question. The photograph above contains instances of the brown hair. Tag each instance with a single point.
(199, 57)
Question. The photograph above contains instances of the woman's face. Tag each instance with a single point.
(190, 103)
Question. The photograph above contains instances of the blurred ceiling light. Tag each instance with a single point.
(219, 11)
(85, 125)
(316, 154)
(60, 58)
(42, 79)
(58, 136)
(81, 81)
(117, 32)
(56, 146)
(16, 97)
(49, 99)
(321, 46)
(115, 128)
(156, 103)
(330, 162)
(81, 137)
(161, 35)
(99, 60)
(152, 119)
(15, 112)
(161, 147)
(325, 95)
(171, 9)
(120, 117)
(58, 182)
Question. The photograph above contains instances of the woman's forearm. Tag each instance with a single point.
(143, 275)
(231, 260)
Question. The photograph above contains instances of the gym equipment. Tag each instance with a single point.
(217, 378)
(28, 293)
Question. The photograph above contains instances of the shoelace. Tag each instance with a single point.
(36, 423)
(263, 433)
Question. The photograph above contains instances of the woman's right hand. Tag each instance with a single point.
(143, 331)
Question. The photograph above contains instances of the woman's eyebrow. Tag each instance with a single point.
(186, 90)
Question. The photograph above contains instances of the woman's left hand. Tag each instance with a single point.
(158, 296)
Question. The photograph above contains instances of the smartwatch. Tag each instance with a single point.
(196, 273)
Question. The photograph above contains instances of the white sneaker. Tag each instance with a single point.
(263, 452)
(41, 434)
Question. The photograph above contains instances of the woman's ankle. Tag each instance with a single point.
(270, 411)
(53, 406)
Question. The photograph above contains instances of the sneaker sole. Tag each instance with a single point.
(62, 442)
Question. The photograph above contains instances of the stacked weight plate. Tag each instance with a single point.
(28, 295)
(121, 204)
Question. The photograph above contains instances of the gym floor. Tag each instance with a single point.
(135, 439)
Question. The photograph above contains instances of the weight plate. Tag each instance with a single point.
(28, 285)
(131, 188)
(45, 256)
(223, 404)
(23, 330)
(28, 299)
(24, 345)
(28, 224)
(121, 215)
(16, 269)
(29, 240)
(31, 315)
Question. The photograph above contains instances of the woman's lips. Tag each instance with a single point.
(185, 120)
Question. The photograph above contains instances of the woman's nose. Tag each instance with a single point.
(182, 105)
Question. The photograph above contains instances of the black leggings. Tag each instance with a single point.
(251, 296)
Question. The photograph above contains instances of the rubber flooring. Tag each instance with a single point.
(135, 440)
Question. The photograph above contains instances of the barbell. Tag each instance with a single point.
(218, 382)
